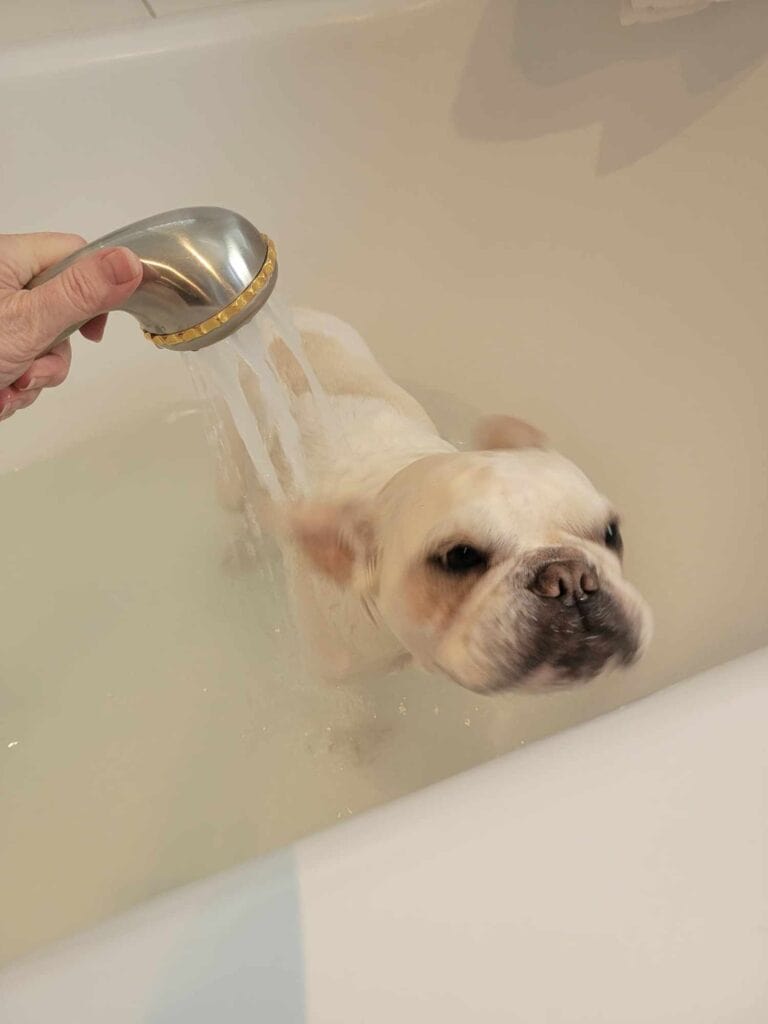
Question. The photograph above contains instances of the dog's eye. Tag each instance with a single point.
(612, 537)
(462, 558)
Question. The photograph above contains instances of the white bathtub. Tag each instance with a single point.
(522, 207)
(616, 873)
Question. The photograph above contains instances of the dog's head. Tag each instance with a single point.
(500, 567)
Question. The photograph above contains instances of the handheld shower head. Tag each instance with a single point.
(207, 271)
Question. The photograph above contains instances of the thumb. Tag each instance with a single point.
(92, 285)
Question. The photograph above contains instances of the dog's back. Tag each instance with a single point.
(365, 426)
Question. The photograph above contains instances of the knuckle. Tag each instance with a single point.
(64, 239)
(19, 323)
(81, 290)
(58, 376)
(15, 312)
(64, 353)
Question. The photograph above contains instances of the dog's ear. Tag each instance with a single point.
(498, 432)
(338, 540)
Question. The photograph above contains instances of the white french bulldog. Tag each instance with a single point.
(500, 567)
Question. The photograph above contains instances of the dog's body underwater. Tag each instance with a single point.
(499, 567)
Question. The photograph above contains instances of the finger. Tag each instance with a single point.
(14, 401)
(7, 395)
(6, 403)
(48, 371)
(90, 286)
(29, 255)
(25, 398)
(94, 329)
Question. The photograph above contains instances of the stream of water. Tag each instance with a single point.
(215, 370)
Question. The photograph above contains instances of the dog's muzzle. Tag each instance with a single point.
(568, 625)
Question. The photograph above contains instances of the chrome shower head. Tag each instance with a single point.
(207, 271)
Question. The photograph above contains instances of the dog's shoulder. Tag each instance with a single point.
(346, 368)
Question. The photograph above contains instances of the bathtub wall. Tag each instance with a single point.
(522, 206)
(21, 22)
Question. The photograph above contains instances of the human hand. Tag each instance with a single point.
(31, 320)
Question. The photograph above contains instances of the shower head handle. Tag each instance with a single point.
(207, 271)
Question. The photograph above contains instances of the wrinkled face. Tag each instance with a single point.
(503, 569)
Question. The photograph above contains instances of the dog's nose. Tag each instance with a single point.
(568, 581)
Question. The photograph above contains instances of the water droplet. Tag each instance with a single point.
(180, 414)
(12, 744)
(467, 722)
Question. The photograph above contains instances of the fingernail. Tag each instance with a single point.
(121, 265)
(31, 385)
